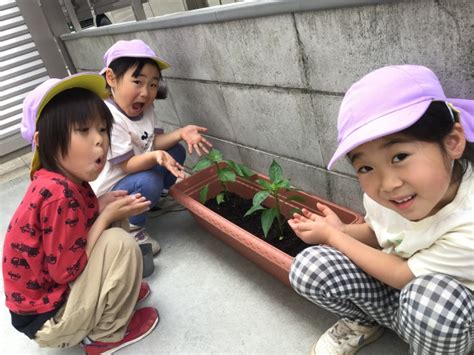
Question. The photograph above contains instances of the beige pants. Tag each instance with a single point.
(102, 298)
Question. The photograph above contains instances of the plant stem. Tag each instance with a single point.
(224, 187)
(280, 225)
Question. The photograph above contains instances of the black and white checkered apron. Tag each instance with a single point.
(433, 313)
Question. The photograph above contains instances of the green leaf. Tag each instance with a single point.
(267, 219)
(253, 209)
(259, 197)
(225, 174)
(265, 184)
(203, 194)
(220, 198)
(276, 172)
(247, 172)
(283, 184)
(215, 156)
(296, 198)
(234, 166)
(202, 164)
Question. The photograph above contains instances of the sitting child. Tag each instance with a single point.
(68, 277)
(142, 158)
(410, 266)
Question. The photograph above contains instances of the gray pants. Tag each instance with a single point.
(102, 299)
(433, 313)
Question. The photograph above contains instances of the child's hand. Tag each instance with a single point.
(314, 229)
(166, 160)
(330, 217)
(125, 207)
(109, 197)
(191, 135)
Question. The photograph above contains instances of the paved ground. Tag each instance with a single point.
(211, 299)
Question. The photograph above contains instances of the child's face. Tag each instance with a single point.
(87, 152)
(135, 95)
(412, 178)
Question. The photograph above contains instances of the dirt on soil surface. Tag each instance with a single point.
(234, 208)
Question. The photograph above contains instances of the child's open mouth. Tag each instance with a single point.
(138, 106)
(99, 162)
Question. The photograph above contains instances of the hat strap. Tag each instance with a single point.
(455, 114)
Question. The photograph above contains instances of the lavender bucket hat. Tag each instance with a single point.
(389, 100)
(37, 99)
(135, 48)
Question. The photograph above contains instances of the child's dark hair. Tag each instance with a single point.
(120, 66)
(69, 109)
(435, 124)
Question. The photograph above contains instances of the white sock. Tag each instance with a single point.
(87, 341)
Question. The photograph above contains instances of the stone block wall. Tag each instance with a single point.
(267, 79)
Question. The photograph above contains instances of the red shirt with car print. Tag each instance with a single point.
(45, 243)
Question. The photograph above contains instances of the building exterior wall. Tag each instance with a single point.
(268, 85)
(22, 67)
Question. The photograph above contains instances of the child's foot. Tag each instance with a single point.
(142, 237)
(345, 338)
(165, 204)
(144, 292)
(143, 322)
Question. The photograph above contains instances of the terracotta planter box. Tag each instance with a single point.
(269, 258)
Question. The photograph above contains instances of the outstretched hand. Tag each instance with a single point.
(124, 207)
(167, 161)
(191, 134)
(314, 229)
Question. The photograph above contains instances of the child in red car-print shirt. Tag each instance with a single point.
(69, 278)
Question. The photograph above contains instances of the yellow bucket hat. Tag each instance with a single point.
(37, 99)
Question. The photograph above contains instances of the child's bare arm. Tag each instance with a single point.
(165, 141)
(363, 233)
(122, 208)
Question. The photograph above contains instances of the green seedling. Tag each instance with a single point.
(225, 174)
(272, 188)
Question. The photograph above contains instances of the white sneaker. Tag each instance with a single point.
(165, 204)
(142, 237)
(345, 338)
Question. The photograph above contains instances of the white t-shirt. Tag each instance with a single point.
(442, 243)
(129, 137)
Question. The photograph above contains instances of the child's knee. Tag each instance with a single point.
(305, 272)
(436, 299)
(118, 240)
(150, 184)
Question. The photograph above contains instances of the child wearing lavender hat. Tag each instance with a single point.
(142, 159)
(410, 266)
(69, 277)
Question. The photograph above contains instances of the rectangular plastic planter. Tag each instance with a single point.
(269, 258)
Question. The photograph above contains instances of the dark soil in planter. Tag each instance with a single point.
(234, 209)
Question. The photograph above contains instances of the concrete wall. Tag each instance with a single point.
(267, 79)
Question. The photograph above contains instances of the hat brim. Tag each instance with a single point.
(160, 62)
(390, 123)
(89, 81)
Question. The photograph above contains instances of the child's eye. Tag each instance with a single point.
(83, 129)
(136, 82)
(103, 129)
(364, 169)
(399, 157)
